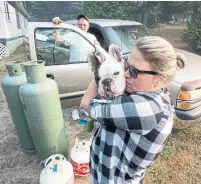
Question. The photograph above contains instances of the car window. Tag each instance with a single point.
(73, 49)
(44, 45)
(126, 36)
(99, 36)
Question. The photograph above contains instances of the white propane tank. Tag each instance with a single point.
(80, 157)
(57, 171)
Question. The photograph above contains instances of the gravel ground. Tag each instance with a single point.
(15, 166)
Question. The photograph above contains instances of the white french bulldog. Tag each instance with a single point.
(109, 71)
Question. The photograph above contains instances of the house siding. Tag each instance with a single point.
(10, 35)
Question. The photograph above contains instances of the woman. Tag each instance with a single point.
(134, 127)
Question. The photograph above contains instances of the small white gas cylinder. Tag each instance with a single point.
(57, 171)
(80, 157)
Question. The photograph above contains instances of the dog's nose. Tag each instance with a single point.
(106, 81)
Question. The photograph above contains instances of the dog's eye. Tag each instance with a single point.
(116, 73)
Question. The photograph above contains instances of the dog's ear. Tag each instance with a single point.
(93, 61)
(100, 57)
(114, 51)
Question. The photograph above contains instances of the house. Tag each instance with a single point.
(13, 26)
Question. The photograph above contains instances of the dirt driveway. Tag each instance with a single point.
(15, 166)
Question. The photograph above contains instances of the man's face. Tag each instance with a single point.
(83, 24)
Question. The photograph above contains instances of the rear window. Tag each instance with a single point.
(126, 36)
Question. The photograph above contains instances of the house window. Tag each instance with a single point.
(18, 19)
(7, 11)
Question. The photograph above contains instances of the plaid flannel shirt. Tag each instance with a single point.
(132, 132)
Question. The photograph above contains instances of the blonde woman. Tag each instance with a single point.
(134, 127)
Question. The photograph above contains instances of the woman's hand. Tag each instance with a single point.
(90, 93)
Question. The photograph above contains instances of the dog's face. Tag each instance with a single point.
(109, 72)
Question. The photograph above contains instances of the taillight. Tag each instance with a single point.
(187, 100)
(184, 106)
(184, 95)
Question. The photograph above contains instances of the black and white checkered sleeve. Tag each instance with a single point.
(138, 112)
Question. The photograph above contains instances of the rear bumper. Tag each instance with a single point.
(192, 114)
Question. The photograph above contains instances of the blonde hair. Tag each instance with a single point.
(161, 56)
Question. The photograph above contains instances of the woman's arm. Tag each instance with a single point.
(90, 93)
(136, 112)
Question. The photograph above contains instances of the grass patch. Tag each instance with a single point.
(160, 174)
(18, 54)
(172, 34)
(172, 147)
(180, 160)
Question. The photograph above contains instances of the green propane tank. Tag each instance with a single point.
(42, 107)
(10, 85)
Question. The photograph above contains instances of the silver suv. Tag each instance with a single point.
(73, 77)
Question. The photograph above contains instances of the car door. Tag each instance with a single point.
(71, 71)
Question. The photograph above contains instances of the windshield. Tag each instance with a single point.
(126, 36)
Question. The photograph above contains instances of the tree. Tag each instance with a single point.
(109, 9)
(168, 9)
(146, 12)
(129, 10)
(45, 10)
(193, 33)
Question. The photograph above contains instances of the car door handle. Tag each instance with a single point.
(50, 76)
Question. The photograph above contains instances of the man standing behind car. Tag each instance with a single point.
(79, 47)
